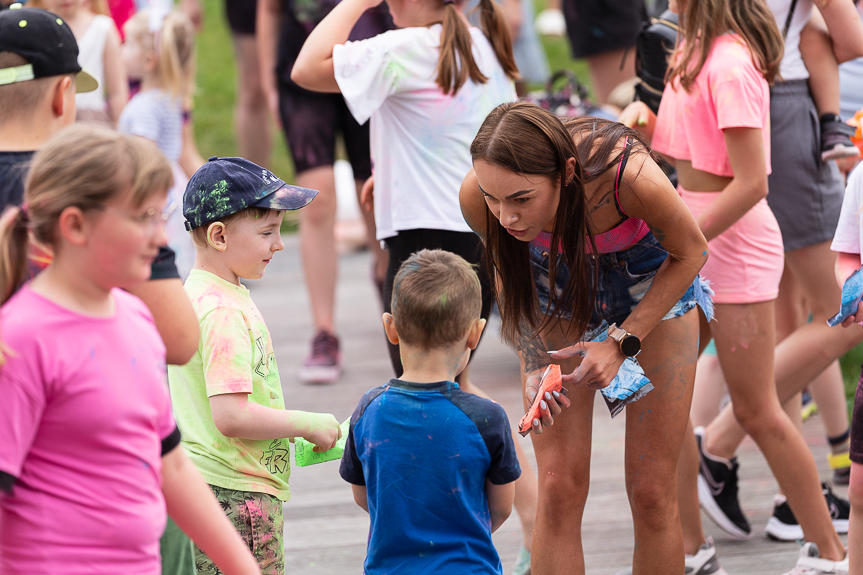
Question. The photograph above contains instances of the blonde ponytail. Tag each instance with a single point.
(177, 55)
(83, 166)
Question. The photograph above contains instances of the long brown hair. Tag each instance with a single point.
(705, 20)
(83, 166)
(527, 139)
(456, 62)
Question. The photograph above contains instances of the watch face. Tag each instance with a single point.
(630, 346)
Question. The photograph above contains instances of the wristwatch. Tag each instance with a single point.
(630, 345)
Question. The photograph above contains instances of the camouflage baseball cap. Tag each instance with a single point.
(225, 186)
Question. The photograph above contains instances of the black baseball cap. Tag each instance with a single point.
(225, 186)
(46, 42)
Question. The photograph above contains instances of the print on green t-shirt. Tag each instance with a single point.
(235, 355)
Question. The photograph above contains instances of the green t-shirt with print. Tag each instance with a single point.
(235, 355)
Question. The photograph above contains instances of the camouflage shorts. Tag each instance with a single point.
(258, 519)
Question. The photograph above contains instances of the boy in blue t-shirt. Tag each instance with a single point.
(434, 466)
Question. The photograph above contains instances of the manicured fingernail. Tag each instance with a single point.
(543, 405)
(536, 423)
(547, 396)
(556, 394)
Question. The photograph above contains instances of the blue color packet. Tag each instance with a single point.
(630, 384)
(852, 292)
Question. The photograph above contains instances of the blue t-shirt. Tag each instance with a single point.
(424, 452)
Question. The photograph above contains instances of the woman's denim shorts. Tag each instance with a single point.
(624, 278)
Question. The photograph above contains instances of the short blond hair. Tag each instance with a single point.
(199, 234)
(23, 99)
(436, 299)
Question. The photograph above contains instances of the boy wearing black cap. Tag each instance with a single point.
(39, 76)
(228, 398)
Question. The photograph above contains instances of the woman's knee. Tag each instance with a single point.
(653, 503)
(562, 496)
(759, 418)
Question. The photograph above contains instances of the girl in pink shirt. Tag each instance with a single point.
(88, 444)
(713, 123)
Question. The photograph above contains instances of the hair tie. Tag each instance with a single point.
(25, 214)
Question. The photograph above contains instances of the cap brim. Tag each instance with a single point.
(287, 198)
(84, 82)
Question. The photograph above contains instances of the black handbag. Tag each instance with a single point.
(654, 43)
(565, 99)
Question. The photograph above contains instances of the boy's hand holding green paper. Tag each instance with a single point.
(305, 454)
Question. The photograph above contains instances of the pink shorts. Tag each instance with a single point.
(746, 260)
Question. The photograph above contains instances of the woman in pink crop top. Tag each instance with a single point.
(714, 125)
(586, 234)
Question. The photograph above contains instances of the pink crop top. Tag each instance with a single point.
(729, 92)
(624, 235)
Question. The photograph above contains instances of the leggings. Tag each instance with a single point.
(408, 242)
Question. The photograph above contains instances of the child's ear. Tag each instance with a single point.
(390, 328)
(475, 333)
(216, 236)
(73, 226)
(60, 101)
(151, 61)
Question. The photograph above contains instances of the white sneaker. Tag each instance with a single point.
(704, 562)
(811, 563)
(550, 22)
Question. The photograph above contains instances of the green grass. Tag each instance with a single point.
(214, 104)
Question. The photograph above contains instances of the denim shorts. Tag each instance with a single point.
(624, 278)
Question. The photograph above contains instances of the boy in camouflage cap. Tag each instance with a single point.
(228, 398)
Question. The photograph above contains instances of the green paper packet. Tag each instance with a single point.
(303, 454)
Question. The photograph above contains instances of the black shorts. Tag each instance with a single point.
(857, 421)
(241, 16)
(311, 121)
(407, 242)
(598, 26)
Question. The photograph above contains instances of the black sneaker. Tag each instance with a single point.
(783, 525)
(717, 491)
(836, 139)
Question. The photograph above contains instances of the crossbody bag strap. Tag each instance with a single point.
(788, 19)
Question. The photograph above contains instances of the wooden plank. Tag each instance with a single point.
(325, 532)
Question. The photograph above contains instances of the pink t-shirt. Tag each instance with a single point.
(729, 92)
(84, 407)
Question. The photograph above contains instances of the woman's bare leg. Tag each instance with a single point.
(563, 468)
(655, 428)
(744, 336)
(688, 464)
(318, 245)
(807, 352)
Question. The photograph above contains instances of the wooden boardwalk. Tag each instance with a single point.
(325, 531)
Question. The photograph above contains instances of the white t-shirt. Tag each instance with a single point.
(420, 138)
(157, 116)
(91, 57)
(849, 231)
(792, 67)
